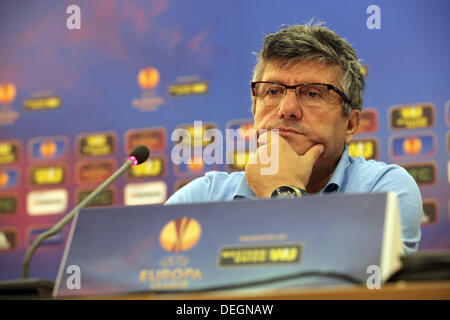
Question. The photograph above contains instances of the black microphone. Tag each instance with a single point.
(137, 156)
(140, 153)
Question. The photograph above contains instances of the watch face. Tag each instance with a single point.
(284, 192)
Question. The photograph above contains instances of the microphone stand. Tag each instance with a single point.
(58, 226)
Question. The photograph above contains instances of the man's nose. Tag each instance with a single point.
(289, 107)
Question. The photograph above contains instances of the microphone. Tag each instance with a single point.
(137, 156)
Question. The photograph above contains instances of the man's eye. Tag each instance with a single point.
(274, 91)
(311, 94)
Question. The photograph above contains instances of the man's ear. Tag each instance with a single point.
(352, 125)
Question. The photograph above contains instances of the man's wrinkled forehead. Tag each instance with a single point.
(305, 70)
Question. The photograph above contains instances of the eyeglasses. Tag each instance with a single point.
(308, 94)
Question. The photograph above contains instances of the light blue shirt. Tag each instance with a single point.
(352, 175)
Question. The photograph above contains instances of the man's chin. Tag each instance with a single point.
(300, 147)
(302, 150)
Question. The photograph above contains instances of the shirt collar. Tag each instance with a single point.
(244, 191)
(337, 178)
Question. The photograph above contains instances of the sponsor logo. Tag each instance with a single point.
(148, 79)
(153, 167)
(7, 95)
(101, 144)
(52, 240)
(412, 146)
(194, 139)
(49, 148)
(188, 89)
(154, 139)
(213, 152)
(94, 171)
(199, 136)
(104, 198)
(414, 116)
(145, 193)
(8, 178)
(430, 212)
(260, 255)
(47, 202)
(173, 274)
(423, 173)
(175, 236)
(9, 152)
(366, 148)
(42, 100)
(180, 235)
(368, 122)
(8, 239)
(8, 116)
(51, 175)
(188, 85)
(8, 204)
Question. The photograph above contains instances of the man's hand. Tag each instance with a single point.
(293, 169)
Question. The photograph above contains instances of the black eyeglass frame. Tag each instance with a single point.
(329, 87)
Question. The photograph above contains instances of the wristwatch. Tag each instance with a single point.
(288, 192)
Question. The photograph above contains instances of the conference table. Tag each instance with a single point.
(402, 290)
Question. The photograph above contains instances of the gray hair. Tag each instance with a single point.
(314, 42)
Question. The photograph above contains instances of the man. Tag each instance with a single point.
(307, 84)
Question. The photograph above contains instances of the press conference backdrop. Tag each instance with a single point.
(77, 95)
